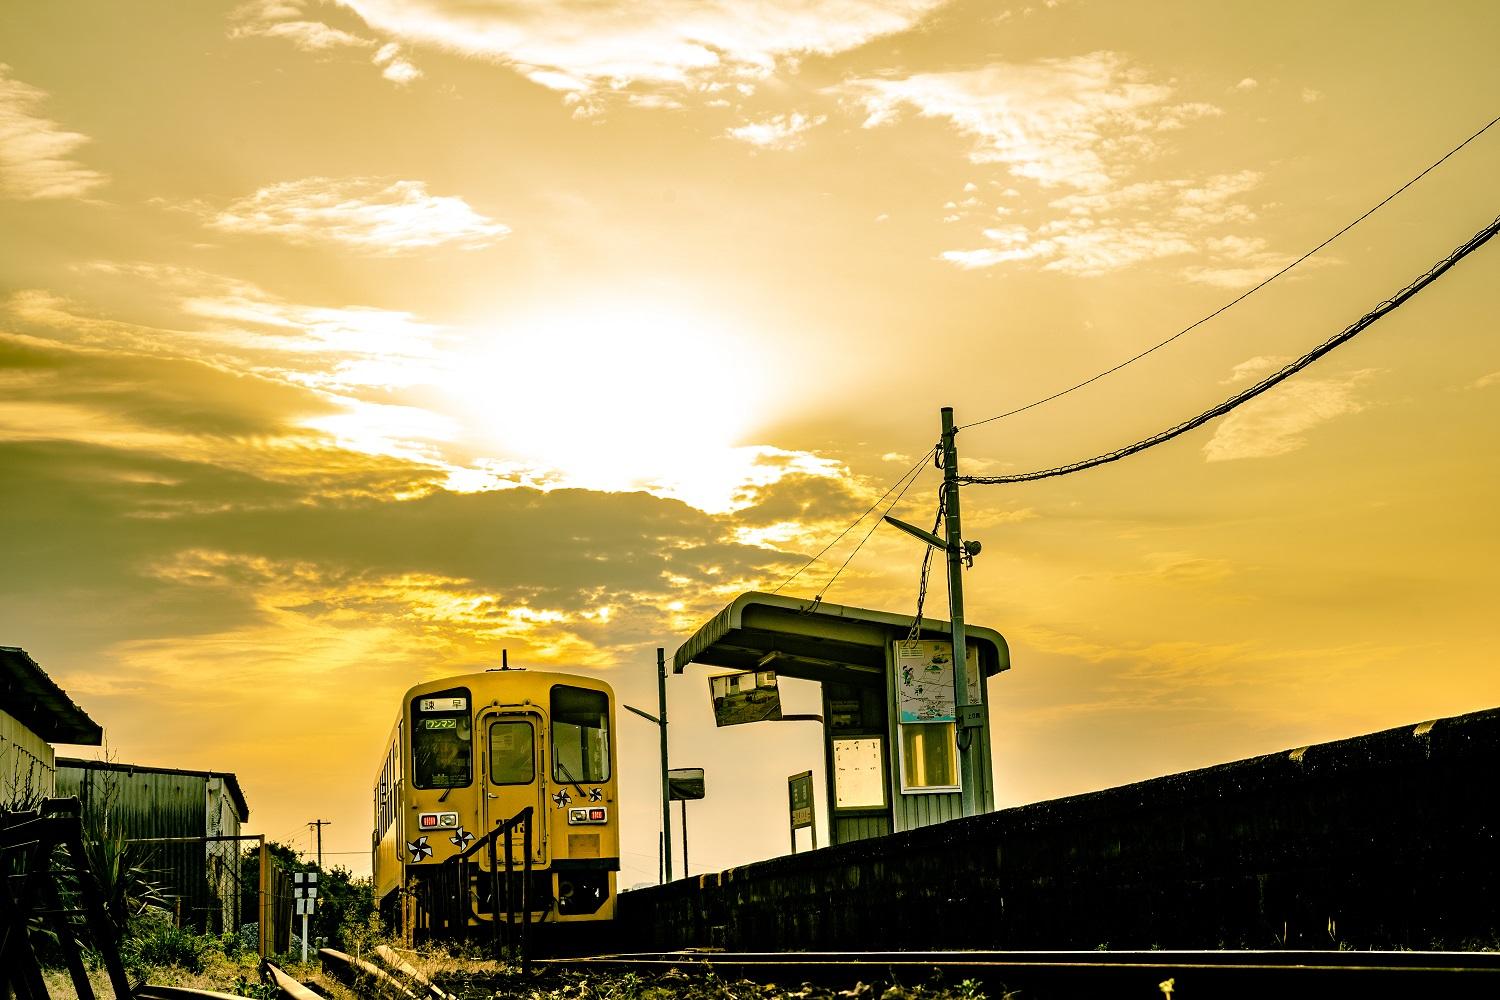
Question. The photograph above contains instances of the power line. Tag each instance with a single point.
(1242, 296)
(914, 473)
(1348, 333)
(824, 550)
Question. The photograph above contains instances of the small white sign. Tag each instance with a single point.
(305, 906)
(443, 705)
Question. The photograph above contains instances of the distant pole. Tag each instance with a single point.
(319, 824)
(966, 723)
(666, 789)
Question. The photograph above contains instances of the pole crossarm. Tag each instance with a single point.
(1369, 319)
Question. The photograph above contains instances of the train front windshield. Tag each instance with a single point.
(580, 734)
(442, 741)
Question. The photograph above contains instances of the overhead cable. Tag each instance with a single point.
(1349, 333)
(850, 527)
(915, 473)
(1242, 296)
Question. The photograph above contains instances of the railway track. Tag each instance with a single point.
(1056, 975)
(1063, 975)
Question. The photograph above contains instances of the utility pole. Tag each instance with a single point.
(666, 790)
(970, 717)
(318, 824)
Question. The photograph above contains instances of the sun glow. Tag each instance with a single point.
(619, 398)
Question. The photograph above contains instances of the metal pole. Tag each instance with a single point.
(685, 872)
(968, 771)
(304, 935)
(666, 792)
(264, 902)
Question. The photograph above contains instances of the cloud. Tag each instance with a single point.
(1073, 122)
(287, 20)
(1277, 423)
(35, 152)
(585, 46)
(393, 66)
(371, 215)
(1485, 381)
(778, 131)
(1248, 83)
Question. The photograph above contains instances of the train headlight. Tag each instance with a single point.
(438, 821)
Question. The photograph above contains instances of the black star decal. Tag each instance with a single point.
(418, 849)
(461, 838)
(562, 798)
(596, 795)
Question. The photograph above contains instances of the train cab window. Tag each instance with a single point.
(580, 734)
(442, 740)
(512, 753)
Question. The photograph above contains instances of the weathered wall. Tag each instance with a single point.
(1391, 839)
(27, 766)
(142, 805)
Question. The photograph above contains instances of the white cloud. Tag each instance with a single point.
(1311, 96)
(1248, 83)
(1278, 422)
(35, 152)
(593, 46)
(287, 20)
(1104, 230)
(1485, 381)
(393, 66)
(372, 215)
(778, 131)
(1079, 122)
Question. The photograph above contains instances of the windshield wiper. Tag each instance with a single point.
(571, 780)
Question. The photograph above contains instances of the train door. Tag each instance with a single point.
(512, 742)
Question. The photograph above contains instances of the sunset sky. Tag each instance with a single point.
(344, 345)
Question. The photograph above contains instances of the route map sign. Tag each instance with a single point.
(924, 680)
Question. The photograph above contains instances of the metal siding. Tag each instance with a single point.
(149, 804)
(27, 763)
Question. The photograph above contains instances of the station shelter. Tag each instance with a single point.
(888, 770)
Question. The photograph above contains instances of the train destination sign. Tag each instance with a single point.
(751, 696)
(685, 783)
(443, 705)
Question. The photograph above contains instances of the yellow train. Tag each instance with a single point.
(466, 755)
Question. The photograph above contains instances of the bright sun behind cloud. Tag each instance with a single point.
(617, 397)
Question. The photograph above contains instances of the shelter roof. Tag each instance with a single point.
(35, 700)
(231, 782)
(818, 641)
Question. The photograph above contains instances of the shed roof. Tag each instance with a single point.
(33, 698)
(816, 640)
(232, 783)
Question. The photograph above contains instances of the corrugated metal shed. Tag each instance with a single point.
(145, 804)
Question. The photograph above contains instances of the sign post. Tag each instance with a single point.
(684, 783)
(305, 891)
(799, 794)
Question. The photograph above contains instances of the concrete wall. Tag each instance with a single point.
(27, 765)
(1391, 839)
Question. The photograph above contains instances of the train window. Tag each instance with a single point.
(441, 740)
(580, 734)
(512, 753)
(929, 757)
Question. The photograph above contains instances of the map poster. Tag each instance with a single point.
(924, 680)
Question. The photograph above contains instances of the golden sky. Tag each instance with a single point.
(346, 344)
